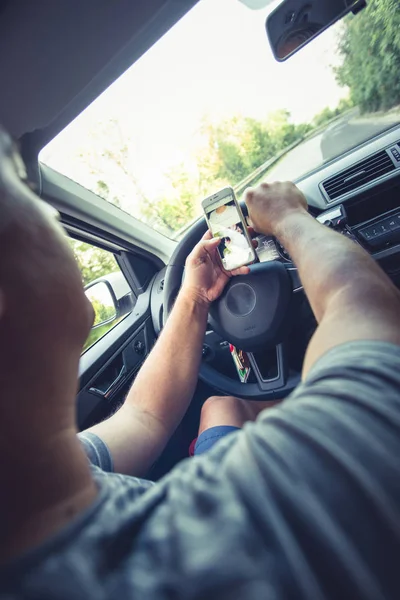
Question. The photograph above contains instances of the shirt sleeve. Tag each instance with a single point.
(97, 451)
(304, 503)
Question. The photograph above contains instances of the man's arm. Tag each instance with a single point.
(352, 298)
(164, 386)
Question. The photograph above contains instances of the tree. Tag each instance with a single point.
(327, 114)
(114, 158)
(102, 312)
(93, 262)
(186, 186)
(103, 191)
(173, 211)
(238, 145)
(230, 150)
(370, 47)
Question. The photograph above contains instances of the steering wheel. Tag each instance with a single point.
(253, 313)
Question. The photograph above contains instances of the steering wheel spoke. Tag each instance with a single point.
(277, 382)
(293, 272)
(269, 376)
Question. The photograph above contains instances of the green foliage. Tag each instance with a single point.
(327, 114)
(172, 213)
(370, 47)
(93, 262)
(98, 332)
(231, 150)
(234, 148)
(241, 144)
(102, 312)
(102, 189)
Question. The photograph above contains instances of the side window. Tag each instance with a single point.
(105, 286)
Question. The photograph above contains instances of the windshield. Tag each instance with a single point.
(208, 106)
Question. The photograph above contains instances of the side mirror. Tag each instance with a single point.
(294, 23)
(111, 298)
(102, 297)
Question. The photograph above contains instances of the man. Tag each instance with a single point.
(303, 503)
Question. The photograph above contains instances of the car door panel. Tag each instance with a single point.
(108, 368)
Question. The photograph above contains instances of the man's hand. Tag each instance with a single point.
(205, 277)
(269, 204)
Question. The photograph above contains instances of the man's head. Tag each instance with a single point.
(44, 314)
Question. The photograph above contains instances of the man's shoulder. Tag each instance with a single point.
(359, 371)
(360, 353)
(311, 478)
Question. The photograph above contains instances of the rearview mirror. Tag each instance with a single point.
(294, 23)
(103, 300)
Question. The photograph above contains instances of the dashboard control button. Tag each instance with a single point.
(383, 227)
(375, 231)
(393, 223)
(366, 233)
(206, 350)
(383, 232)
(139, 347)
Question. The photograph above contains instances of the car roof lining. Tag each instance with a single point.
(57, 57)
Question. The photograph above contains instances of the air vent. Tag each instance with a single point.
(358, 175)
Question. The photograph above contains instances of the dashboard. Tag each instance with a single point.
(357, 194)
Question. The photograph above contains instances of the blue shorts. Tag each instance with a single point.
(209, 437)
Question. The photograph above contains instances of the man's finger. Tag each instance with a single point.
(205, 245)
(207, 235)
(240, 271)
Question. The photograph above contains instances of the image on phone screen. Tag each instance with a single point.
(234, 248)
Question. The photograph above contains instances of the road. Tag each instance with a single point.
(351, 130)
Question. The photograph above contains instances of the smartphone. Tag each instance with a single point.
(225, 220)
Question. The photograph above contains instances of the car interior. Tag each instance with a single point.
(57, 58)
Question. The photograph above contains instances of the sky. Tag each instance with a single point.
(217, 62)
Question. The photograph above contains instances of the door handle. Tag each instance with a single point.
(116, 383)
(113, 386)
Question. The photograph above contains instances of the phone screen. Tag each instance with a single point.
(225, 222)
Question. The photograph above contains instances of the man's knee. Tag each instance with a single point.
(223, 410)
(216, 403)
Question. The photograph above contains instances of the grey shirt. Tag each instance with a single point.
(304, 503)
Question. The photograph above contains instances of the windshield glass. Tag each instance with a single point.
(208, 106)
